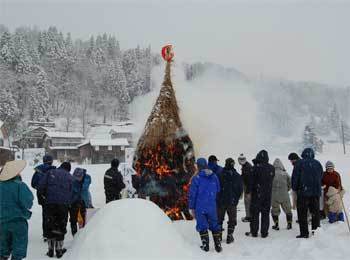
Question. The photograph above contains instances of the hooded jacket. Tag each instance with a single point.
(203, 191)
(231, 187)
(262, 178)
(16, 200)
(281, 182)
(39, 173)
(307, 175)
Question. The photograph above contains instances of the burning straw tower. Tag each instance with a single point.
(164, 158)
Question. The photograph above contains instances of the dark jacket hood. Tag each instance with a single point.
(262, 157)
(308, 153)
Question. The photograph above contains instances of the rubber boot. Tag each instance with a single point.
(59, 249)
(205, 240)
(217, 241)
(341, 216)
(230, 238)
(51, 247)
(289, 221)
(275, 219)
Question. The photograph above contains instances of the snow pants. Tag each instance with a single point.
(334, 217)
(73, 215)
(44, 219)
(207, 220)
(57, 217)
(277, 204)
(313, 205)
(14, 239)
(232, 215)
(247, 199)
(257, 208)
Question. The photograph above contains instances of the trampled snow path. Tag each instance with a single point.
(330, 242)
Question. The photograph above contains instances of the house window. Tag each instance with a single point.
(110, 148)
(97, 148)
(1, 142)
(122, 148)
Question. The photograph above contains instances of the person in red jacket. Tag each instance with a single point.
(330, 178)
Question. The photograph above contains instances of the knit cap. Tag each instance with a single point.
(329, 165)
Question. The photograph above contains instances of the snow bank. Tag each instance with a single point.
(129, 229)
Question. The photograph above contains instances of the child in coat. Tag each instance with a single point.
(334, 203)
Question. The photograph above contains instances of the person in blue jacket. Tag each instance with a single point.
(307, 182)
(39, 173)
(231, 189)
(202, 204)
(15, 204)
(57, 187)
(213, 164)
(80, 198)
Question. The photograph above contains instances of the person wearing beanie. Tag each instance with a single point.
(306, 182)
(16, 200)
(202, 199)
(113, 182)
(261, 189)
(331, 178)
(231, 188)
(57, 187)
(246, 169)
(39, 173)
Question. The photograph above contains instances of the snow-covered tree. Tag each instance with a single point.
(40, 106)
(9, 112)
(310, 140)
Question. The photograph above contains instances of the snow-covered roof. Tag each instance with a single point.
(106, 142)
(63, 147)
(5, 148)
(59, 134)
(123, 129)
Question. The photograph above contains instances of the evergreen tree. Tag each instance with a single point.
(23, 61)
(40, 106)
(9, 112)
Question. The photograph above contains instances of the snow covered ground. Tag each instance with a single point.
(134, 229)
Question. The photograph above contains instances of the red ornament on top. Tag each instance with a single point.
(167, 52)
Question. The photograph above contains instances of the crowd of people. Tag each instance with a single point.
(214, 192)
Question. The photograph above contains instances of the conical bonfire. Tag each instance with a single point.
(164, 158)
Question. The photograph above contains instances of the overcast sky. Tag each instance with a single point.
(300, 40)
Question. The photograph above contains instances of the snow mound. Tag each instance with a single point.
(129, 229)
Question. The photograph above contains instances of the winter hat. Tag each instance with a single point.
(47, 159)
(229, 163)
(212, 158)
(79, 173)
(66, 166)
(202, 163)
(115, 163)
(11, 169)
(329, 165)
(293, 157)
(242, 159)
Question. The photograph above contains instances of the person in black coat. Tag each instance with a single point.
(113, 182)
(306, 182)
(261, 189)
(231, 188)
(39, 173)
(246, 177)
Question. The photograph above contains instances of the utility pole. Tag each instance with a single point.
(343, 136)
